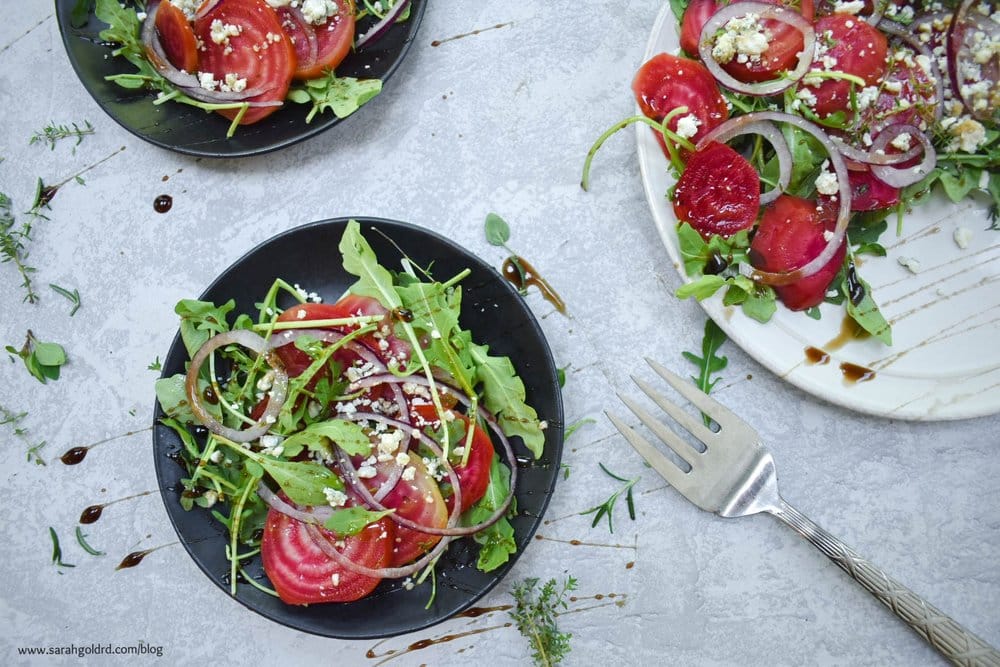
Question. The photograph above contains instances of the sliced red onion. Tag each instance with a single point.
(777, 141)
(878, 10)
(382, 26)
(718, 22)
(315, 515)
(872, 156)
(276, 395)
(899, 177)
(206, 8)
(843, 192)
(323, 542)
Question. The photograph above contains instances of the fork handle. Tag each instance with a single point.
(957, 644)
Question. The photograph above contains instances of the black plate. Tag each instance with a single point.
(186, 129)
(496, 315)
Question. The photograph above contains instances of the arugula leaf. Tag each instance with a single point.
(865, 312)
(497, 541)
(343, 95)
(349, 436)
(709, 362)
(302, 481)
(172, 395)
(352, 520)
(200, 320)
(360, 260)
(80, 14)
(679, 7)
(504, 396)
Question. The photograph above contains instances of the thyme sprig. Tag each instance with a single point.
(52, 133)
(13, 249)
(13, 419)
(536, 618)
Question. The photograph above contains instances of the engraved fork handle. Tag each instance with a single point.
(957, 644)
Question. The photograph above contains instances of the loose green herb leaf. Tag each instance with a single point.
(608, 506)
(565, 470)
(536, 618)
(52, 133)
(12, 246)
(709, 362)
(73, 297)
(561, 376)
(43, 360)
(572, 428)
(353, 520)
(156, 365)
(81, 538)
(343, 95)
(57, 550)
(497, 230)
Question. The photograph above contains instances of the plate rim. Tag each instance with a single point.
(919, 406)
(62, 7)
(555, 431)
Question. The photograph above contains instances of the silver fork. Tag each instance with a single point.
(735, 476)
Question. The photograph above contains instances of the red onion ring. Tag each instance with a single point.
(323, 542)
(843, 191)
(276, 397)
(382, 26)
(765, 11)
(187, 82)
(871, 157)
(899, 177)
(315, 515)
(878, 10)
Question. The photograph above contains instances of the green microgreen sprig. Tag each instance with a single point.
(607, 507)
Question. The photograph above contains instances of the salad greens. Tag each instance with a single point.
(295, 454)
(43, 360)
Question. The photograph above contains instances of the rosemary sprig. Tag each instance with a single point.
(82, 540)
(73, 297)
(52, 133)
(536, 618)
(57, 550)
(608, 506)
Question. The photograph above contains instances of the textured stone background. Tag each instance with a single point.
(496, 122)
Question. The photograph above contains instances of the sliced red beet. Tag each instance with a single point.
(319, 47)
(868, 193)
(850, 45)
(303, 574)
(718, 193)
(791, 233)
(666, 82)
(417, 499)
(177, 37)
(259, 53)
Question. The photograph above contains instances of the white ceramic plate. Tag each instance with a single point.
(944, 362)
